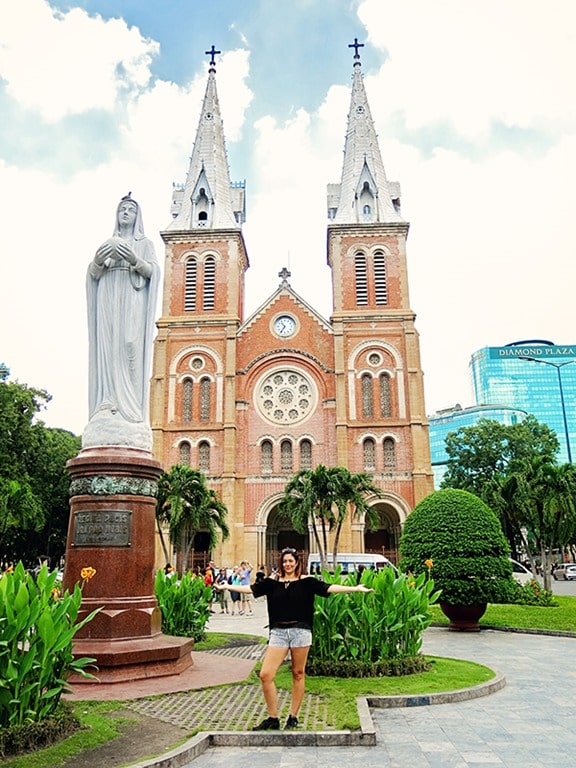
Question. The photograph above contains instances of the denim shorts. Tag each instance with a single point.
(290, 637)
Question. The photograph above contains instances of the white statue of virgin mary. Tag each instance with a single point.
(122, 286)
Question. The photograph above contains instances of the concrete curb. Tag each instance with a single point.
(365, 737)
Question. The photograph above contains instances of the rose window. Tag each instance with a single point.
(285, 397)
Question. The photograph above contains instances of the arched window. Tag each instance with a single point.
(191, 278)
(184, 453)
(361, 279)
(369, 454)
(380, 287)
(204, 456)
(187, 400)
(366, 210)
(305, 454)
(205, 404)
(209, 282)
(367, 396)
(389, 453)
(286, 456)
(266, 457)
(385, 402)
(202, 216)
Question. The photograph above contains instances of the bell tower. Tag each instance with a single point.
(379, 382)
(193, 382)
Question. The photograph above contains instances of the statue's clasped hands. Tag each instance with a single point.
(115, 249)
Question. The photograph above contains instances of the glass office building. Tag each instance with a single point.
(451, 419)
(534, 376)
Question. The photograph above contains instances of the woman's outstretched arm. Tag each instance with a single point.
(242, 588)
(341, 588)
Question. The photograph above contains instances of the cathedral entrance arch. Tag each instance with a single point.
(386, 539)
(279, 534)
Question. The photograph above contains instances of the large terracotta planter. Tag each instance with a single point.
(464, 618)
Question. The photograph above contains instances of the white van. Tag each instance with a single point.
(349, 562)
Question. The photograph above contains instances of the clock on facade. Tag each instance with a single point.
(284, 325)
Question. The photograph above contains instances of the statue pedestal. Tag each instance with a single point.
(112, 529)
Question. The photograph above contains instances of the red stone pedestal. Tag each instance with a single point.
(112, 529)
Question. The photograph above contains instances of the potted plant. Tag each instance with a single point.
(457, 535)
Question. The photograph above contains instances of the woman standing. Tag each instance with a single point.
(290, 600)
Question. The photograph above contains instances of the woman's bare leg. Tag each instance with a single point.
(299, 656)
(270, 665)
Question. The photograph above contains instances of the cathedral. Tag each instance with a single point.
(249, 401)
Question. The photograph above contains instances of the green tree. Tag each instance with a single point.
(322, 498)
(484, 459)
(514, 470)
(20, 508)
(50, 481)
(34, 481)
(19, 511)
(547, 494)
(477, 453)
(188, 506)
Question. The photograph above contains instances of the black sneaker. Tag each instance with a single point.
(270, 724)
(291, 723)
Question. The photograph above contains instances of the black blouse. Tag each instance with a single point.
(291, 603)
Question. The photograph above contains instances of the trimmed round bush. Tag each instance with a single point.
(463, 538)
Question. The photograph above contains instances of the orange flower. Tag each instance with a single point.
(55, 593)
(87, 573)
(429, 563)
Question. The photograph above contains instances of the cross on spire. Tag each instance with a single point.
(212, 52)
(356, 45)
(284, 274)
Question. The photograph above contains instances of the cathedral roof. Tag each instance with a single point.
(364, 194)
(208, 199)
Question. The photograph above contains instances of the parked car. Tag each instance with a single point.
(566, 571)
(522, 574)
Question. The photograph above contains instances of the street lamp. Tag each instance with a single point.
(557, 366)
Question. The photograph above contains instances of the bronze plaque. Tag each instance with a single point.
(101, 528)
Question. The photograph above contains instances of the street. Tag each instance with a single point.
(564, 587)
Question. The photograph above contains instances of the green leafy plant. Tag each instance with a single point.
(533, 593)
(372, 634)
(184, 605)
(37, 626)
(463, 538)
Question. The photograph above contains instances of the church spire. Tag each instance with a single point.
(208, 200)
(364, 194)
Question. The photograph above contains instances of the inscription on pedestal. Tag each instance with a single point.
(102, 528)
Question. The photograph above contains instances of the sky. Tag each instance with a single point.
(475, 109)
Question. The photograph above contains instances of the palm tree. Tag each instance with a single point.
(321, 498)
(551, 508)
(187, 504)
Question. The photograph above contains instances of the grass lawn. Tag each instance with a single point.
(559, 618)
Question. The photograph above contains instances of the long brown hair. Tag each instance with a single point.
(296, 555)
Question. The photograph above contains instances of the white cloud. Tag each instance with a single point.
(472, 63)
(67, 63)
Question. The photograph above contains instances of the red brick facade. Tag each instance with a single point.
(250, 401)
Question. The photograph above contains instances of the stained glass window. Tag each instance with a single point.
(389, 453)
(369, 450)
